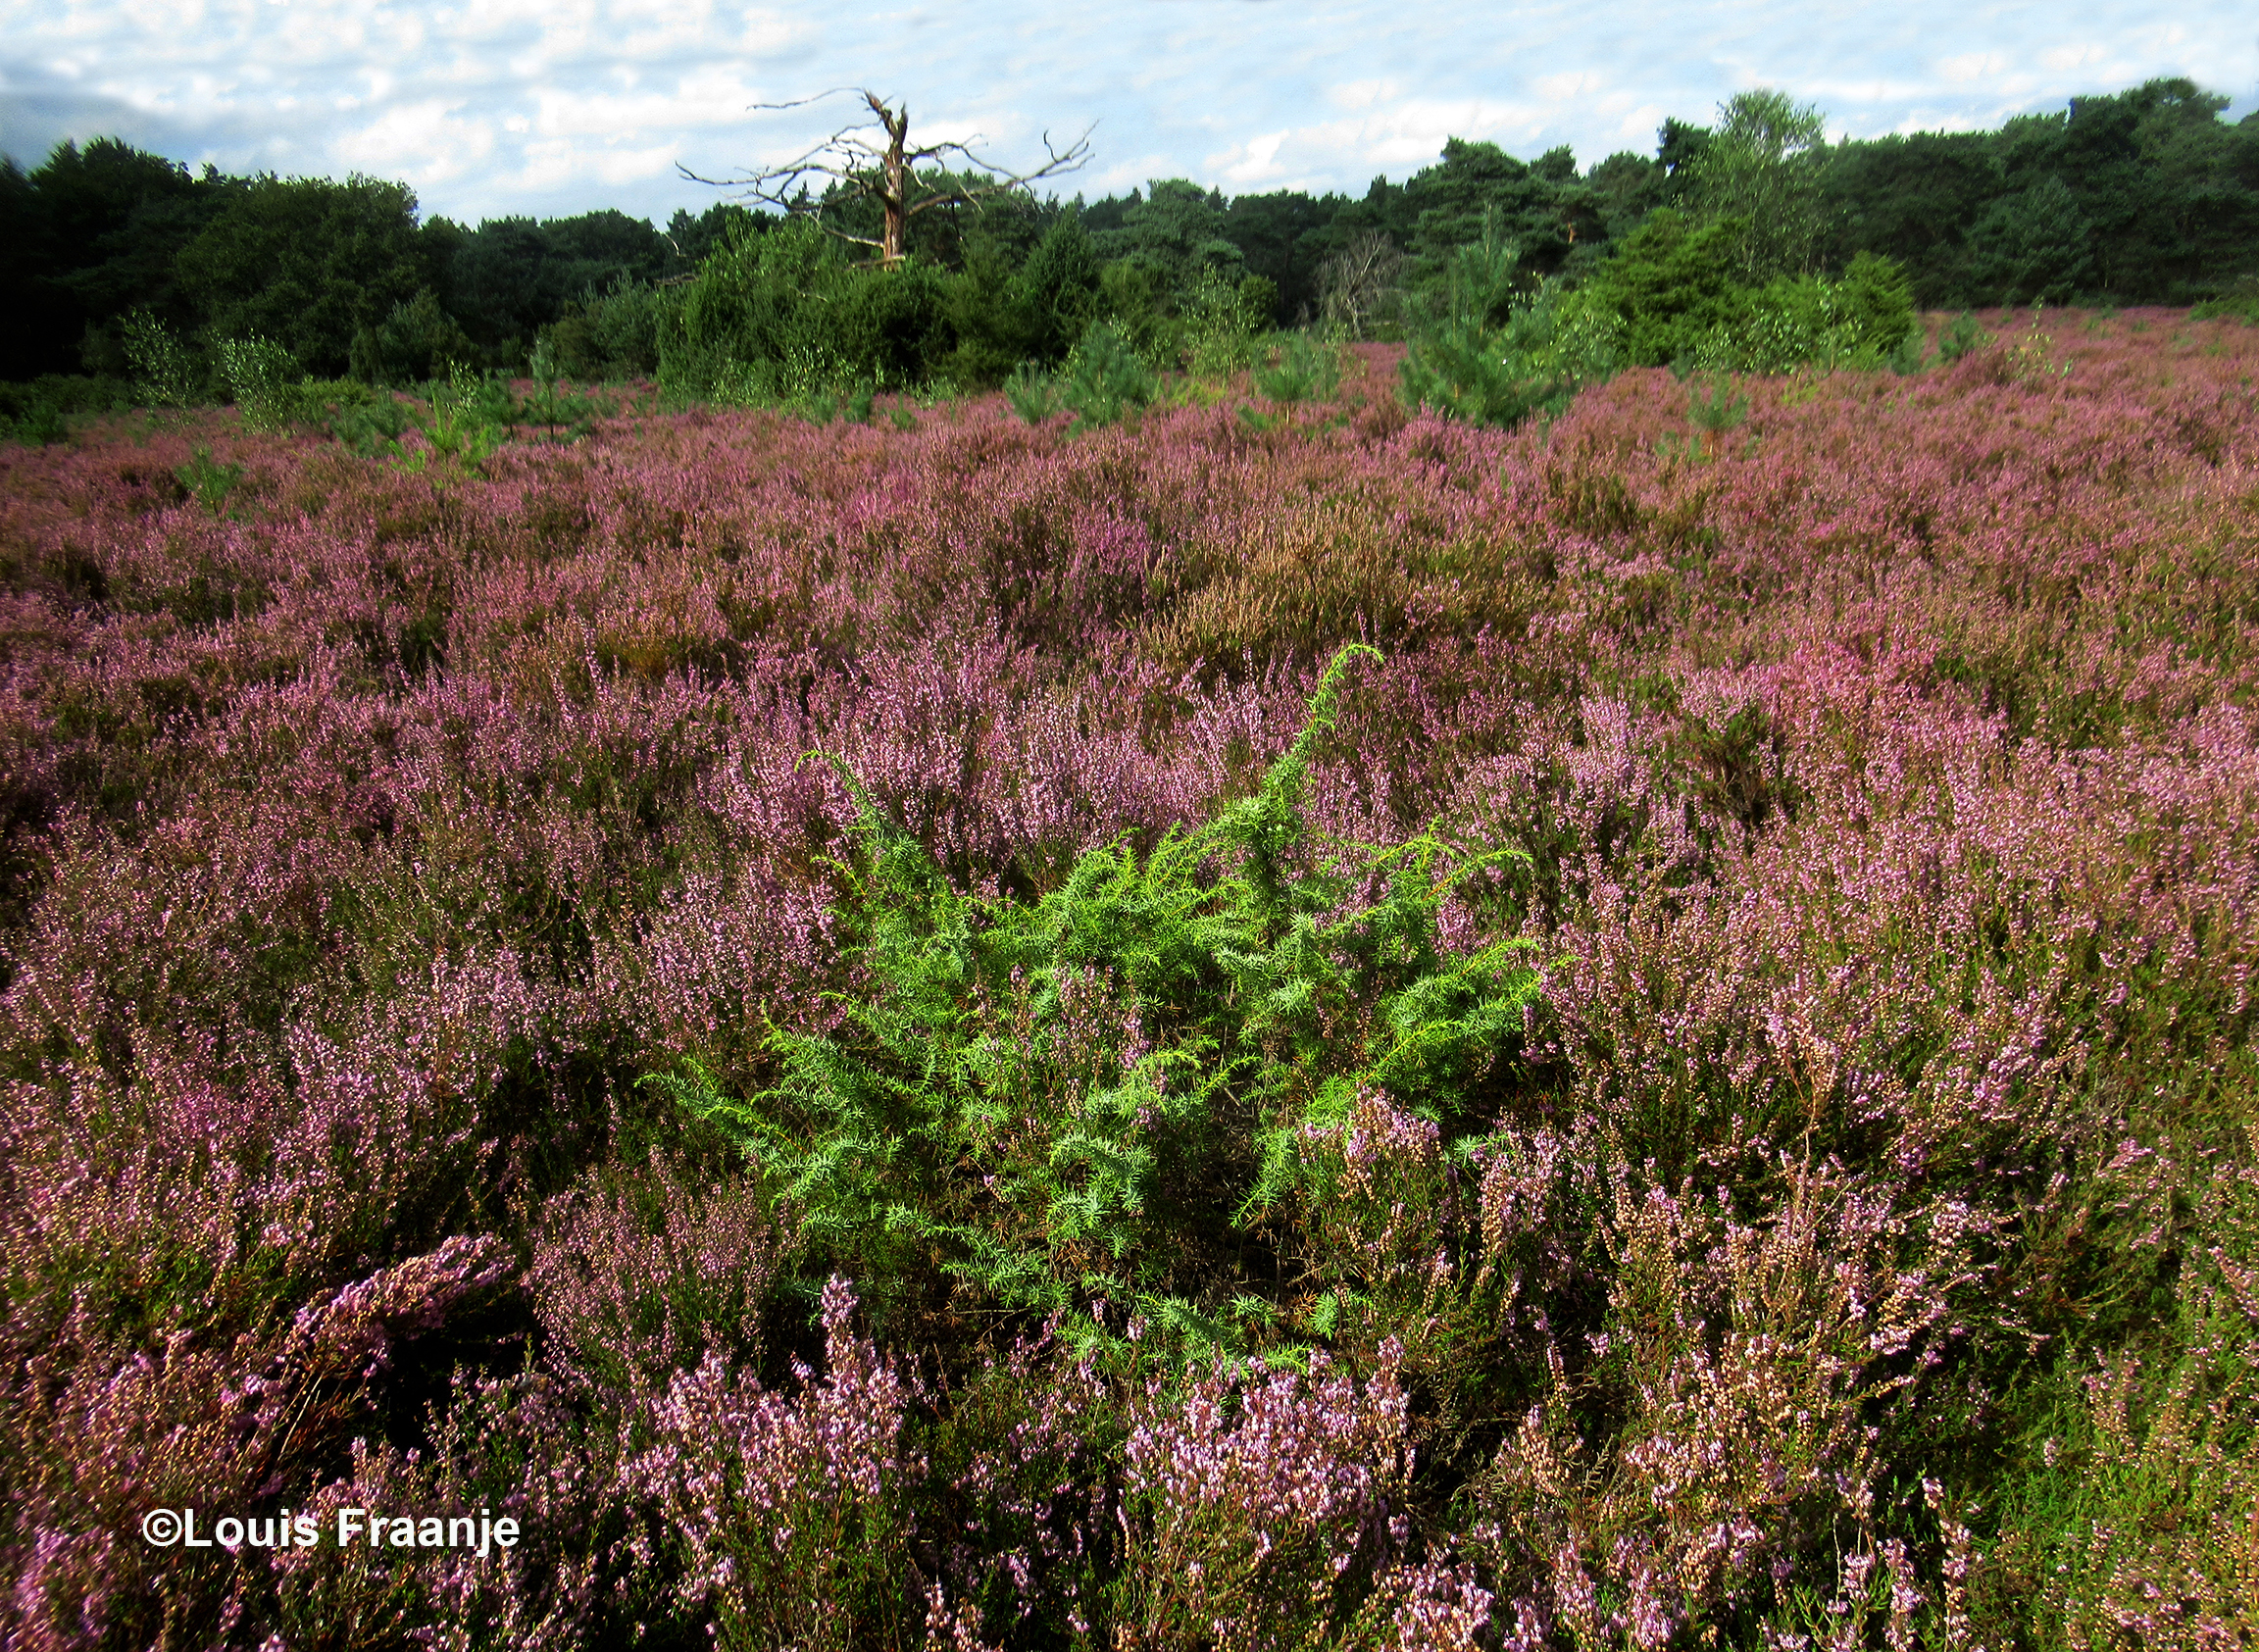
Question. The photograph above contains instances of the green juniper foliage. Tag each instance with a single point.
(1108, 1096)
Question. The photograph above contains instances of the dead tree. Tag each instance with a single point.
(1363, 284)
(855, 161)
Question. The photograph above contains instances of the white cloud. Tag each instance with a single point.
(1248, 164)
(494, 106)
(425, 141)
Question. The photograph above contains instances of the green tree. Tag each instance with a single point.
(2035, 245)
(782, 313)
(88, 236)
(307, 263)
(417, 341)
(1478, 191)
(2153, 174)
(1761, 166)
(608, 334)
(1178, 231)
(693, 237)
(493, 279)
(1914, 198)
(1282, 237)
(1627, 187)
(511, 278)
(1055, 294)
(2168, 194)
(1877, 301)
(1673, 281)
(2204, 192)
(22, 345)
(1533, 360)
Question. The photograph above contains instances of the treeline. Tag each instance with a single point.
(342, 274)
(2145, 196)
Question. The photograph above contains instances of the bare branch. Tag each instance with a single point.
(804, 102)
(1361, 283)
(856, 167)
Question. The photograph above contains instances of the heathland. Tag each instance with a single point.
(1278, 1023)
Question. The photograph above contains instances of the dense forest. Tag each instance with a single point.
(2144, 196)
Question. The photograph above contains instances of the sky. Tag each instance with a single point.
(551, 107)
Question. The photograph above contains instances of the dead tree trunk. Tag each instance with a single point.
(894, 192)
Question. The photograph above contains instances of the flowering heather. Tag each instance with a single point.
(884, 1036)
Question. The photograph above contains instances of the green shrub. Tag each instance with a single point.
(321, 401)
(1034, 395)
(468, 419)
(1957, 337)
(1714, 408)
(415, 341)
(70, 394)
(208, 481)
(482, 397)
(562, 414)
(1135, 300)
(1671, 284)
(1876, 301)
(1098, 1097)
(1300, 369)
(1105, 378)
(779, 317)
(2240, 302)
(1056, 292)
(263, 380)
(612, 334)
(166, 373)
(1859, 321)
(1549, 347)
(370, 428)
(40, 423)
(1223, 321)
(1481, 283)
(889, 326)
